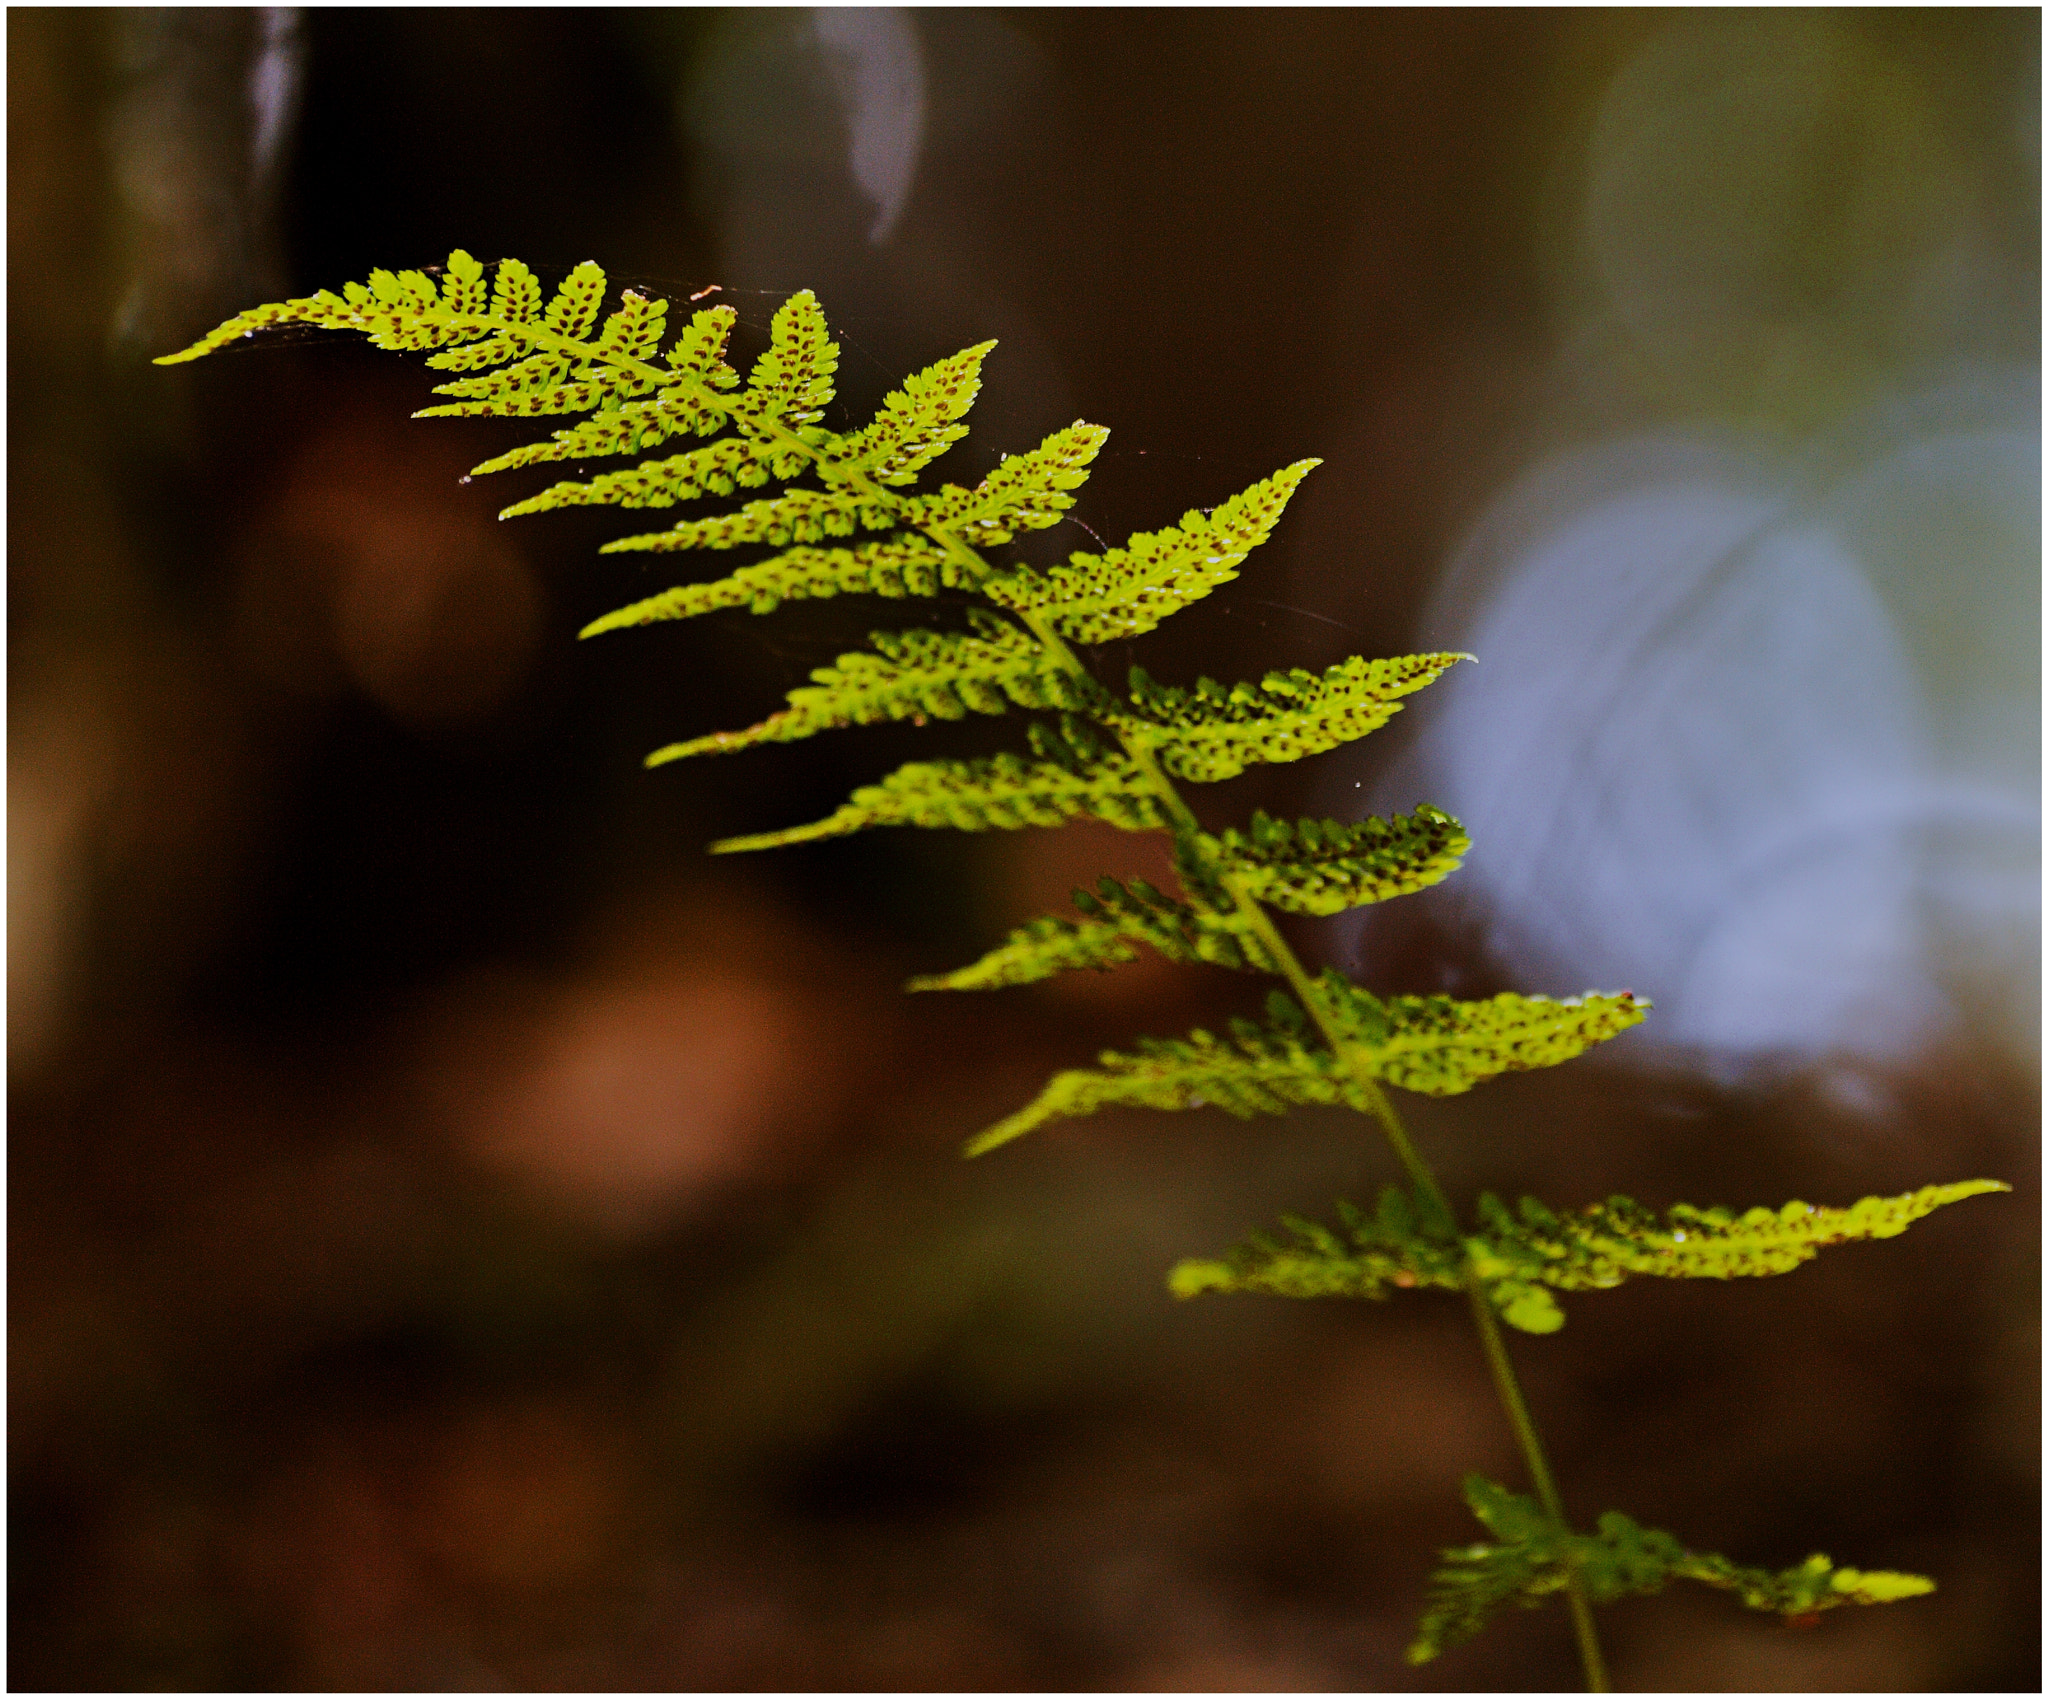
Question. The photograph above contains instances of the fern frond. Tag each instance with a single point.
(1072, 778)
(1027, 492)
(916, 675)
(1262, 1069)
(916, 425)
(797, 516)
(1214, 732)
(1530, 1558)
(1127, 592)
(1118, 916)
(1519, 1253)
(1327, 866)
(906, 565)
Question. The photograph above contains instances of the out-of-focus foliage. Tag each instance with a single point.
(1530, 1560)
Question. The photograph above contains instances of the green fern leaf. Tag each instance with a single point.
(473, 356)
(399, 310)
(1427, 1044)
(916, 425)
(1368, 1255)
(699, 353)
(1325, 866)
(798, 516)
(1606, 1243)
(627, 427)
(574, 308)
(530, 386)
(543, 364)
(515, 292)
(1127, 592)
(917, 675)
(713, 470)
(906, 565)
(1440, 1046)
(1212, 732)
(1519, 1254)
(1072, 778)
(554, 379)
(1531, 1558)
(1027, 492)
(1261, 1069)
(1035, 951)
(1118, 917)
(792, 381)
(463, 289)
(635, 331)
(623, 429)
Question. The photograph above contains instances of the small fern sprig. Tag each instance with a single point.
(1530, 1558)
(845, 518)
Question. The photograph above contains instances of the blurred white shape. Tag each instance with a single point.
(274, 80)
(792, 108)
(1696, 758)
(877, 71)
(199, 112)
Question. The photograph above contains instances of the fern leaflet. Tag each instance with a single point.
(916, 675)
(1118, 917)
(1127, 592)
(916, 425)
(1212, 733)
(1261, 1070)
(903, 566)
(799, 516)
(1071, 779)
(1325, 866)
(1027, 492)
(1426, 1044)
(1518, 1253)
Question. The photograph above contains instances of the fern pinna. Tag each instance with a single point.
(845, 517)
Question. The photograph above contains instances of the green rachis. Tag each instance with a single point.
(840, 514)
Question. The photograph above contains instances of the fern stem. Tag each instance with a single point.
(1510, 1391)
(1186, 831)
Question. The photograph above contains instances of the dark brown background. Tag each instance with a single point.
(461, 1236)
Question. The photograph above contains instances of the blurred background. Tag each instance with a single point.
(462, 1237)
